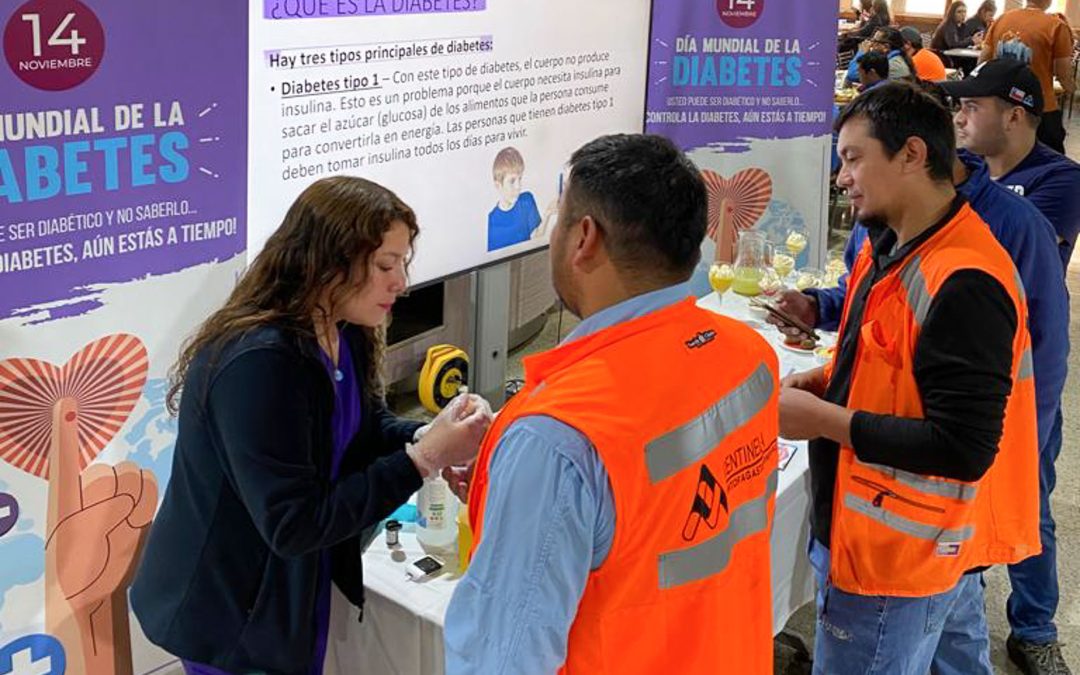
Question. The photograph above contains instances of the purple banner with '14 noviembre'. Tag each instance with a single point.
(123, 135)
(727, 71)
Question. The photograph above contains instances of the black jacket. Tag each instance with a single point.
(229, 575)
(948, 36)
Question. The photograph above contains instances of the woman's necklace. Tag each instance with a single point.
(331, 349)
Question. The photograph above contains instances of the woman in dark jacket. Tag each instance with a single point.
(286, 453)
(879, 18)
(950, 33)
(977, 25)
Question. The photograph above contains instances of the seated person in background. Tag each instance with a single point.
(977, 25)
(887, 41)
(874, 15)
(866, 10)
(928, 65)
(950, 33)
(873, 70)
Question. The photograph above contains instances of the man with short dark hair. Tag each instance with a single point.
(886, 40)
(873, 70)
(922, 428)
(997, 118)
(622, 501)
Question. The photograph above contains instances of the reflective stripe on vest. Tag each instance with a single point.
(711, 556)
(1027, 365)
(691, 442)
(939, 488)
(905, 526)
(918, 297)
(1019, 285)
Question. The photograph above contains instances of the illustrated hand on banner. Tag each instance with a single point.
(53, 423)
(735, 204)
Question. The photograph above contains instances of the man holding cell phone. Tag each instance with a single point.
(922, 429)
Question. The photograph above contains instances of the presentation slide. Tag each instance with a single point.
(467, 109)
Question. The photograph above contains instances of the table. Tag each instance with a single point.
(402, 629)
(963, 53)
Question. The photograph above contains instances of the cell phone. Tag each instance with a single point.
(425, 567)
(785, 318)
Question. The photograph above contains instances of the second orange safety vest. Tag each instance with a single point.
(905, 534)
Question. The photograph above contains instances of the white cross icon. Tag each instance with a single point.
(5, 512)
(22, 663)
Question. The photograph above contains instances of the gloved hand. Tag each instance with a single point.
(454, 435)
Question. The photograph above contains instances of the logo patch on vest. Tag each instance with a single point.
(701, 339)
(748, 460)
(950, 550)
(708, 497)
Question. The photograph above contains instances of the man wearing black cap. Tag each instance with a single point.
(1000, 108)
(1045, 43)
(998, 116)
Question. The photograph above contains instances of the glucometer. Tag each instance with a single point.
(425, 567)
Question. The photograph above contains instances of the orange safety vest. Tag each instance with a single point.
(681, 405)
(904, 534)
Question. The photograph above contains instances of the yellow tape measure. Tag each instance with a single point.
(445, 370)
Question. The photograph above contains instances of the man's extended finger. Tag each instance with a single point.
(98, 484)
(65, 492)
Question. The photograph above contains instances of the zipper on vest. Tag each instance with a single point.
(883, 492)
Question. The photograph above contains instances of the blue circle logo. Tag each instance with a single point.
(33, 655)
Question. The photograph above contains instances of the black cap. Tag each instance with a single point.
(1006, 78)
(912, 35)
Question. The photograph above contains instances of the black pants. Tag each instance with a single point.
(1052, 131)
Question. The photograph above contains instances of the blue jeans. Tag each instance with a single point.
(1034, 598)
(872, 634)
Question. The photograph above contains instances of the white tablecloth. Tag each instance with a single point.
(963, 52)
(402, 629)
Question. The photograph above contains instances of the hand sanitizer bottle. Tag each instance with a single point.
(437, 525)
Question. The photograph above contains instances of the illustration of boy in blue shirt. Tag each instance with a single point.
(516, 217)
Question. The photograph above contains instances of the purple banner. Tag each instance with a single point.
(317, 9)
(727, 71)
(123, 136)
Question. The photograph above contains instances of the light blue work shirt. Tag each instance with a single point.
(549, 520)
